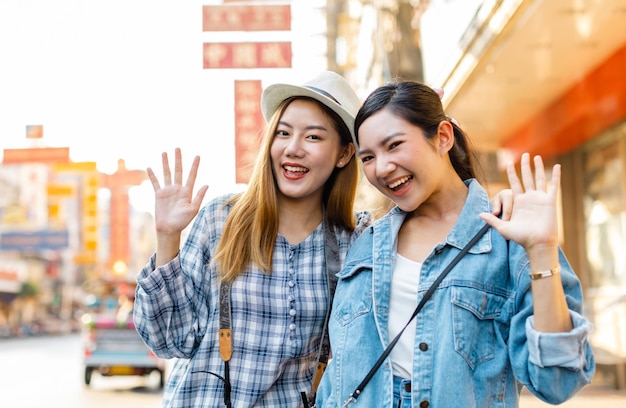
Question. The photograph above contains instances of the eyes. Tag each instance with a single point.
(282, 133)
(367, 156)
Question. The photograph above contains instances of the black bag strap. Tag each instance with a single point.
(333, 264)
(359, 389)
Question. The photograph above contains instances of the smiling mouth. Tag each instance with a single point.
(399, 183)
(293, 169)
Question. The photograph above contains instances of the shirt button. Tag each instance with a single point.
(424, 404)
(291, 284)
(291, 298)
(292, 312)
(292, 327)
(423, 346)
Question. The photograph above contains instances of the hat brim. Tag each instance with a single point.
(274, 94)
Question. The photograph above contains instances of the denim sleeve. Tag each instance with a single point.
(559, 349)
(553, 366)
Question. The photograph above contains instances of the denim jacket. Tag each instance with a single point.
(475, 345)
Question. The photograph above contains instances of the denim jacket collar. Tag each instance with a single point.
(468, 225)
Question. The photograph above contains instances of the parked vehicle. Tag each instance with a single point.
(112, 346)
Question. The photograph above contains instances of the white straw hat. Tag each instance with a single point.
(328, 87)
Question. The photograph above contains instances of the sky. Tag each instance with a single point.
(123, 79)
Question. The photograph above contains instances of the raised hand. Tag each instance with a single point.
(174, 206)
(533, 222)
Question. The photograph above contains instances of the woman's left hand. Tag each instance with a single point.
(502, 204)
(533, 221)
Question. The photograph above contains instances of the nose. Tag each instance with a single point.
(293, 146)
(384, 166)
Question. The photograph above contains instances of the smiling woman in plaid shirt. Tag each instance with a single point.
(267, 245)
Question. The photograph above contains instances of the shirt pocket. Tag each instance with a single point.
(353, 297)
(473, 319)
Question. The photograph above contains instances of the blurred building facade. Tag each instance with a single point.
(544, 77)
(62, 237)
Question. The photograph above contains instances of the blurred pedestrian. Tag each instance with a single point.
(508, 315)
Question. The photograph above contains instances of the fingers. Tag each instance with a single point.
(167, 175)
(527, 173)
(503, 204)
(178, 167)
(153, 179)
(492, 220)
(199, 196)
(178, 172)
(193, 172)
(530, 181)
(514, 182)
(556, 181)
(540, 174)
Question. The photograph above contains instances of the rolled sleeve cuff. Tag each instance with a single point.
(559, 349)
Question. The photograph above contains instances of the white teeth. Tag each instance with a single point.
(398, 182)
(296, 169)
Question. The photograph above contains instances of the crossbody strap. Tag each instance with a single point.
(225, 338)
(359, 389)
(333, 263)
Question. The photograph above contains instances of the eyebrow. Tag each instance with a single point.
(311, 127)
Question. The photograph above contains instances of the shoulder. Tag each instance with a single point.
(363, 219)
(218, 205)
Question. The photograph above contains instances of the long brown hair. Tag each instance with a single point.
(252, 225)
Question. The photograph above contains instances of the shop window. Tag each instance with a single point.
(604, 200)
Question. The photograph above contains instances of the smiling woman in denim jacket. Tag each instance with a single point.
(508, 315)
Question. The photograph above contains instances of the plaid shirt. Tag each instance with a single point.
(276, 319)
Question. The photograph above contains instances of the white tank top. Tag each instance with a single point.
(402, 304)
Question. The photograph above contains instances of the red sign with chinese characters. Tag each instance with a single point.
(246, 18)
(47, 155)
(248, 127)
(247, 55)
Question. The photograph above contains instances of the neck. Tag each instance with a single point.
(444, 203)
(297, 219)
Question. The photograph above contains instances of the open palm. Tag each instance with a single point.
(175, 206)
(533, 220)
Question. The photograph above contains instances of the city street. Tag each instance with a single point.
(47, 371)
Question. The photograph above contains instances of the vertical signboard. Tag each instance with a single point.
(88, 183)
(119, 235)
(248, 127)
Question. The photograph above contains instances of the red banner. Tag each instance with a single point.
(247, 55)
(246, 18)
(249, 124)
(47, 155)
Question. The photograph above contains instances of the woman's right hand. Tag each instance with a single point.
(174, 204)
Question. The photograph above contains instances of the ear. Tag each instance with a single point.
(345, 156)
(445, 133)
